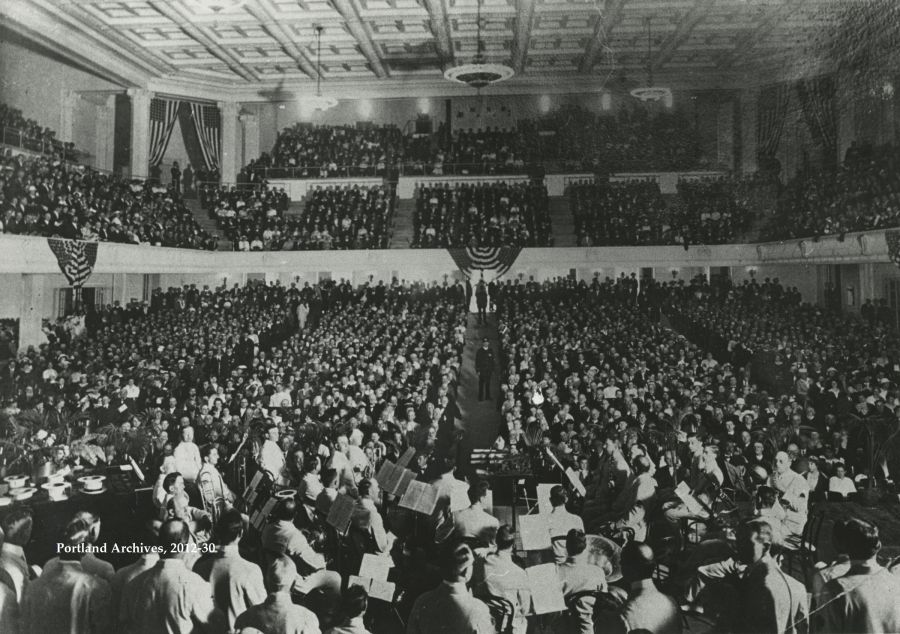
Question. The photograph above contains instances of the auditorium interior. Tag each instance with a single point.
(449, 316)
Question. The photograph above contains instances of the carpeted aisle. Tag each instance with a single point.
(480, 420)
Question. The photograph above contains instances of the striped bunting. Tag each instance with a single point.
(495, 259)
(76, 259)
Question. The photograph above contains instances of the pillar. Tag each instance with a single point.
(69, 102)
(749, 105)
(104, 134)
(250, 134)
(228, 169)
(31, 311)
(140, 132)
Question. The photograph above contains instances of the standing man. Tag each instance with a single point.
(169, 597)
(484, 367)
(481, 301)
(771, 601)
(188, 178)
(176, 176)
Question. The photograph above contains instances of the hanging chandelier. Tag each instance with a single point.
(318, 102)
(651, 92)
(479, 73)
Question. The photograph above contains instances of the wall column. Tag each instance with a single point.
(105, 133)
(69, 99)
(30, 311)
(749, 105)
(140, 132)
(228, 169)
(250, 134)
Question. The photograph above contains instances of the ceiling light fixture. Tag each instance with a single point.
(479, 73)
(318, 102)
(651, 92)
(217, 6)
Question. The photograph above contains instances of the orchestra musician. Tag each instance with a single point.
(216, 495)
(271, 457)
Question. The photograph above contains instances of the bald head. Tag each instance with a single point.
(172, 533)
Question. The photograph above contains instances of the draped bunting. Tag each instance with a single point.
(189, 134)
(892, 237)
(163, 115)
(497, 260)
(817, 101)
(771, 116)
(76, 259)
(206, 123)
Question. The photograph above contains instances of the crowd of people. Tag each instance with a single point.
(47, 197)
(489, 214)
(634, 212)
(256, 218)
(20, 131)
(308, 151)
(317, 386)
(863, 194)
(570, 138)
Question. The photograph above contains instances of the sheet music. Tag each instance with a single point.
(459, 499)
(420, 497)
(375, 567)
(535, 532)
(383, 475)
(406, 477)
(543, 497)
(407, 457)
(683, 491)
(576, 481)
(340, 513)
(382, 590)
(546, 589)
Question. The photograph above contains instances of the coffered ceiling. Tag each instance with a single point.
(270, 44)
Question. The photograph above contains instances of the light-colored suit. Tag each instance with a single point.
(646, 609)
(449, 609)
(770, 601)
(503, 578)
(866, 599)
(475, 522)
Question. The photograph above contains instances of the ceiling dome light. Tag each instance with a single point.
(651, 92)
(317, 102)
(479, 73)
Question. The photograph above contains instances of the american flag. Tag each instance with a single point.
(76, 259)
(495, 259)
(163, 115)
(206, 122)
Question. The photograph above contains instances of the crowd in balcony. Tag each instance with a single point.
(44, 196)
(20, 131)
(863, 194)
(487, 215)
(571, 138)
(713, 210)
(308, 151)
(257, 218)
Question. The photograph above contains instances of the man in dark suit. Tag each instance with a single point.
(481, 301)
(484, 367)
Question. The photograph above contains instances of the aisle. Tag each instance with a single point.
(480, 420)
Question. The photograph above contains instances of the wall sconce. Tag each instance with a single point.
(674, 273)
(752, 271)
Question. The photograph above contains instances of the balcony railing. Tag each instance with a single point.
(20, 138)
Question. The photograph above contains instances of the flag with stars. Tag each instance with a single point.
(76, 259)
